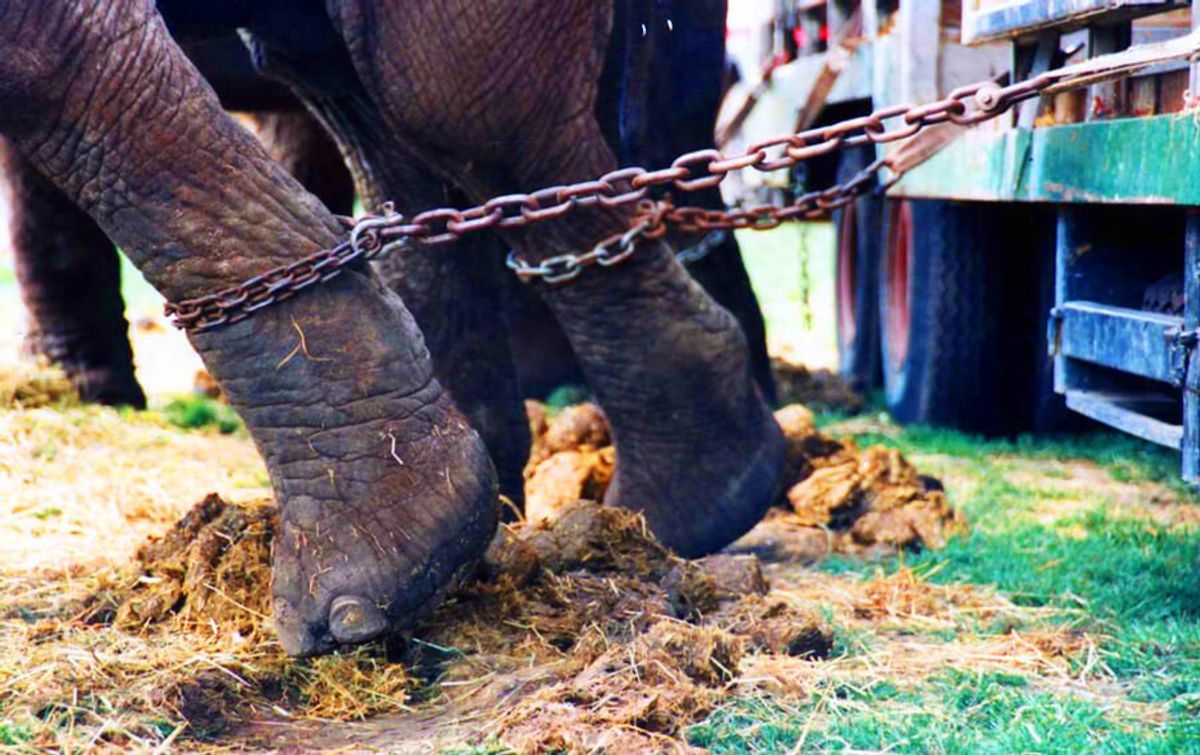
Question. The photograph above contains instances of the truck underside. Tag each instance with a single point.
(1046, 261)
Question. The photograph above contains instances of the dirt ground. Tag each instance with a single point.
(1041, 602)
(580, 633)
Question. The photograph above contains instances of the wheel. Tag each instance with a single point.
(962, 316)
(857, 267)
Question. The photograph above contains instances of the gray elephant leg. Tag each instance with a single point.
(697, 448)
(385, 492)
(70, 281)
(543, 355)
(453, 291)
(723, 275)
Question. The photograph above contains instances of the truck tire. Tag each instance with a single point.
(858, 236)
(942, 279)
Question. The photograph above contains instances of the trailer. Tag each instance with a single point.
(1037, 267)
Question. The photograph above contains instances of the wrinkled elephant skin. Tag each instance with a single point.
(387, 493)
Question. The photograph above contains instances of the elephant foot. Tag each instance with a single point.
(386, 494)
(697, 448)
(107, 385)
(98, 364)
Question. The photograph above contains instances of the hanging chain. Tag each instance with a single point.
(702, 248)
(376, 235)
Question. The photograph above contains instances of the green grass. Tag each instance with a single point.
(1126, 458)
(792, 271)
(14, 735)
(1130, 582)
(955, 712)
(201, 412)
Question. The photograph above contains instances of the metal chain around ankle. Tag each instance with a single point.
(612, 251)
(379, 234)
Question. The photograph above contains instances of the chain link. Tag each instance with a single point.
(702, 248)
(375, 235)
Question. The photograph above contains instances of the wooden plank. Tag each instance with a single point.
(1128, 161)
(1122, 412)
(1128, 340)
(836, 61)
(983, 20)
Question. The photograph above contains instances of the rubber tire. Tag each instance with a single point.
(858, 237)
(974, 354)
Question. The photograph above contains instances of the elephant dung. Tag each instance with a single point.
(869, 498)
(820, 389)
(572, 428)
(571, 459)
(209, 569)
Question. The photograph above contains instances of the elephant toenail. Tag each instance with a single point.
(353, 619)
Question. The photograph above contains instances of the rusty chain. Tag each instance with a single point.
(375, 235)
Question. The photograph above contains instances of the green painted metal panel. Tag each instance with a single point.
(1153, 160)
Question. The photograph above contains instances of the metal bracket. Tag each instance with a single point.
(1054, 332)
(1182, 343)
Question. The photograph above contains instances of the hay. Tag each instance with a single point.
(626, 635)
(580, 631)
(31, 384)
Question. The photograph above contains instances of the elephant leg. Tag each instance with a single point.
(385, 492)
(453, 291)
(697, 449)
(70, 279)
(298, 142)
(684, 97)
(723, 275)
(543, 355)
(455, 296)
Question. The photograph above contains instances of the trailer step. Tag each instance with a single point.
(1131, 413)
(1130, 340)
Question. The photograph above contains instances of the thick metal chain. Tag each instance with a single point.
(375, 235)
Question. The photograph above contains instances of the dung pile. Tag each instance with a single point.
(621, 645)
(847, 498)
(578, 633)
(868, 498)
(572, 459)
(821, 389)
(33, 384)
(211, 568)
